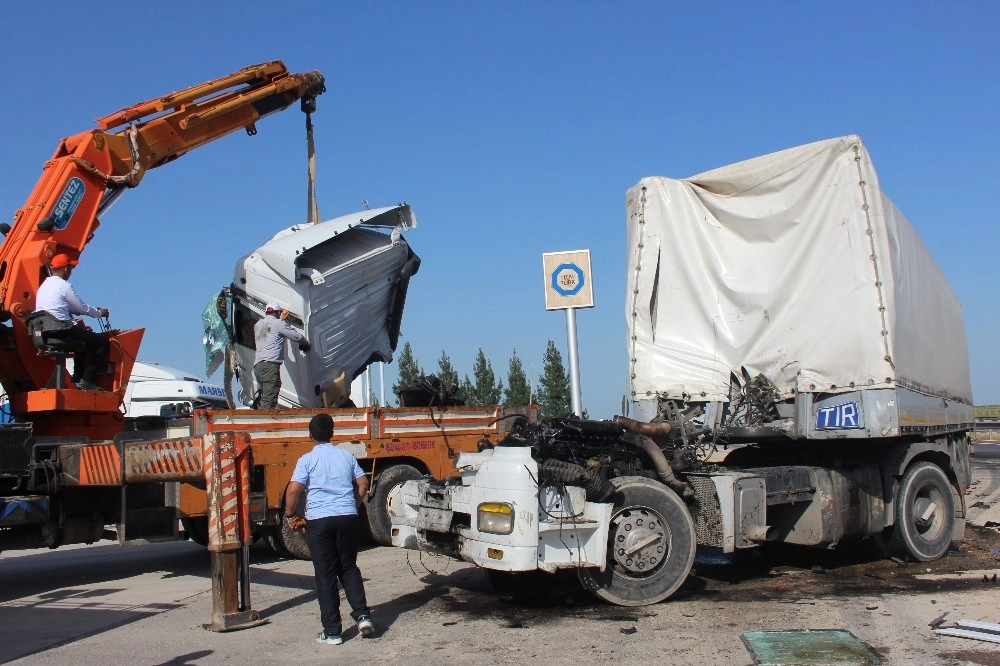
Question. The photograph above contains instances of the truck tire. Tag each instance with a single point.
(656, 523)
(197, 529)
(285, 541)
(388, 480)
(288, 543)
(925, 514)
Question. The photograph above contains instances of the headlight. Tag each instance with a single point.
(496, 518)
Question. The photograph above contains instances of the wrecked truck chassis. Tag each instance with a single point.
(632, 538)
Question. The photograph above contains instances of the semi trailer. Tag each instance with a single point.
(798, 374)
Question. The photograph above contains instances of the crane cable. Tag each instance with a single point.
(312, 214)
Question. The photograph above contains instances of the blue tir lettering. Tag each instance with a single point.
(847, 415)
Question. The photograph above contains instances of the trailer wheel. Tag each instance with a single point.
(925, 514)
(651, 545)
(387, 482)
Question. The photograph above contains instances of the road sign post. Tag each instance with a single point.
(568, 286)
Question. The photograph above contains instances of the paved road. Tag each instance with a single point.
(146, 604)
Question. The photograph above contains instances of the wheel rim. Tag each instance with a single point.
(927, 512)
(394, 499)
(640, 542)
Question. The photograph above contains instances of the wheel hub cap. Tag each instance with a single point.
(640, 541)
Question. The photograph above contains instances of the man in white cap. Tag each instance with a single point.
(270, 334)
(57, 297)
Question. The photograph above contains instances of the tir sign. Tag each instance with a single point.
(838, 417)
(568, 282)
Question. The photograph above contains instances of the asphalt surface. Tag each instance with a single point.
(146, 605)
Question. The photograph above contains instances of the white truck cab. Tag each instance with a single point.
(156, 390)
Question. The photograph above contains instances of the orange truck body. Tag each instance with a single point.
(416, 441)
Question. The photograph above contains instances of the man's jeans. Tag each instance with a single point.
(333, 542)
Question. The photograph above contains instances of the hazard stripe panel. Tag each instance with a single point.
(164, 460)
(100, 465)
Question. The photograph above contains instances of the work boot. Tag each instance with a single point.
(84, 385)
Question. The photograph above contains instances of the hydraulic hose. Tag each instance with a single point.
(659, 460)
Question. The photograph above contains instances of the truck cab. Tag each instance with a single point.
(158, 391)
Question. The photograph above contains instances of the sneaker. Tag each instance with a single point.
(365, 626)
(329, 639)
(84, 385)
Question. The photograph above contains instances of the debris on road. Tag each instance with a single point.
(808, 646)
(981, 631)
(938, 621)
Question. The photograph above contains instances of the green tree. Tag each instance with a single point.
(553, 390)
(518, 391)
(446, 371)
(484, 388)
(409, 370)
(465, 390)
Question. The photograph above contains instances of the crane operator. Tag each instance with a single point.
(57, 297)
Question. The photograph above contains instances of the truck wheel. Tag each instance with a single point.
(285, 541)
(386, 482)
(925, 513)
(197, 529)
(651, 545)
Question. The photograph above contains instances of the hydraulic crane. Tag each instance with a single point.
(67, 469)
(87, 174)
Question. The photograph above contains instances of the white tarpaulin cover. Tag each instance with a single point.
(794, 265)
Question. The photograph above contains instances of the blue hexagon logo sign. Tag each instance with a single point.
(567, 279)
(568, 282)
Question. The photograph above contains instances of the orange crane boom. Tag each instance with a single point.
(87, 173)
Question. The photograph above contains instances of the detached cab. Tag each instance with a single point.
(343, 283)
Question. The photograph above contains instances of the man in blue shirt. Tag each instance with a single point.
(334, 485)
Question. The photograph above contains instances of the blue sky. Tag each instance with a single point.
(513, 129)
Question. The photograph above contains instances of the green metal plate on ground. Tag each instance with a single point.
(807, 647)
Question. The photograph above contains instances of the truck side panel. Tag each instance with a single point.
(427, 440)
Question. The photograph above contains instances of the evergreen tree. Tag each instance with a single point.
(465, 391)
(518, 392)
(553, 391)
(409, 370)
(484, 388)
(446, 371)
